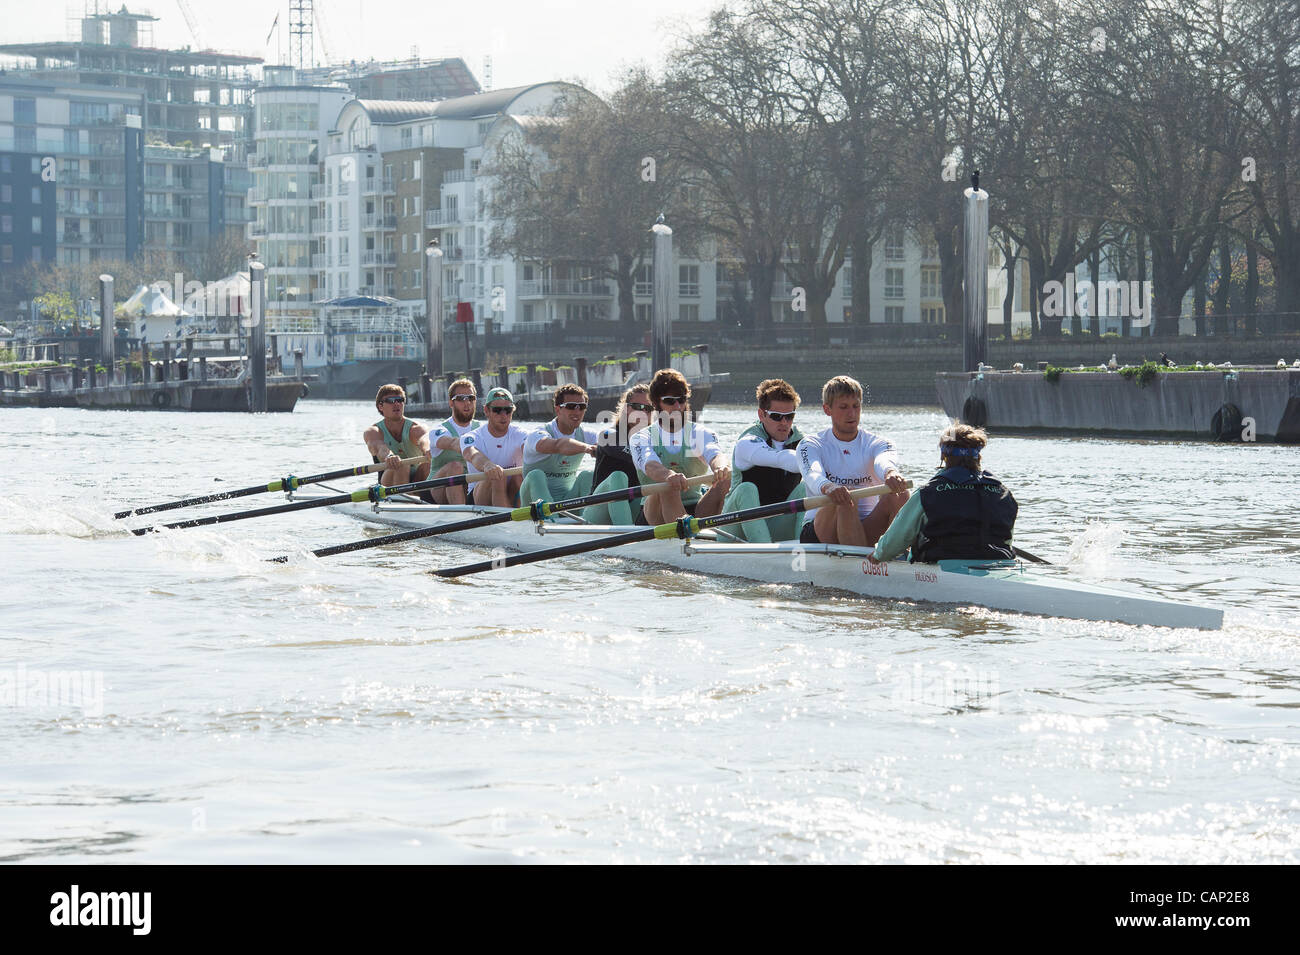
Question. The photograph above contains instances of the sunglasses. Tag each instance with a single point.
(464, 397)
(780, 415)
(635, 406)
(673, 400)
(502, 409)
(393, 400)
(573, 405)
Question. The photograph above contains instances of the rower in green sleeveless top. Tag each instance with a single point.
(446, 439)
(673, 449)
(555, 453)
(394, 437)
(766, 465)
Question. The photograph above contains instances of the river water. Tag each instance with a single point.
(176, 699)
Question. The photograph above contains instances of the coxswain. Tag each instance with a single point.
(615, 469)
(492, 447)
(674, 448)
(445, 439)
(842, 458)
(555, 453)
(962, 513)
(766, 464)
(395, 437)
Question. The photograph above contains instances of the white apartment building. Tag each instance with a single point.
(292, 124)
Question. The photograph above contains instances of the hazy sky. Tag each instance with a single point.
(529, 40)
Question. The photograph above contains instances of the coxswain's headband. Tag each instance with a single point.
(955, 451)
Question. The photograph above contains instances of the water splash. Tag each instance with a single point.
(59, 519)
(1095, 551)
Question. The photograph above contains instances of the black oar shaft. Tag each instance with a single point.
(686, 527)
(582, 547)
(373, 493)
(517, 514)
(284, 484)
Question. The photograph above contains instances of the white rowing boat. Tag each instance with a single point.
(1018, 587)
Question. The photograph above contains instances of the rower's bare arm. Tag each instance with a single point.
(656, 471)
(375, 443)
(448, 442)
(420, 435)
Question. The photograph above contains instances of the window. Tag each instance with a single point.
(417, 276)
(688, 313)
(893, 283)
(846, 277)
(932, 314)
(36, 195)
(688, 282)
(894, 244)
(415, 205)
(6, 253)
(930, 282)
(36, 253)
(528, 312)
(36, 225)
(6, 193)
(24, 110)
(6, 223)
(404, 249)
(417, 165)
(6, 164)
(643, 314)
(893, 315)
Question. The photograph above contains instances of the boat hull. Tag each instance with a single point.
(1019, 588)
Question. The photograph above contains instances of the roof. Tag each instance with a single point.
(482, 104)
(383, 111)
(68, 49)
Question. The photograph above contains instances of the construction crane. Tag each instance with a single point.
(192, 22)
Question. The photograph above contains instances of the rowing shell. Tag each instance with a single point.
(998, 586)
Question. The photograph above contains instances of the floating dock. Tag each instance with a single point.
(1225, 404)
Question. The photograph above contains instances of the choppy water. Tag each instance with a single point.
(216, 708)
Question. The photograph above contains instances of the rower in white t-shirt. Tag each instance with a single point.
(490, 449)
(842, 458)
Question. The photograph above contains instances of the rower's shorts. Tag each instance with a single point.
(809, 534)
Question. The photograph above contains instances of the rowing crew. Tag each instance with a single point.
(962, 512)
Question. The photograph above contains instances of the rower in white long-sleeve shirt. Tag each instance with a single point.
(842, 458)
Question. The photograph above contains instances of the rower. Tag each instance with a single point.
(673, 449)
(394, 437)
(615, 469)
(962, 513)
(554, 454)
(492, 447)
(843, 457)
(446, 440)
(767, 465)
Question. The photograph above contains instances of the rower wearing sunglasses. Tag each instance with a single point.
(615, 470)
(554, 454)
(491, 448)
(675, 448)
(446, 440)
(394, 437)
(766, 463)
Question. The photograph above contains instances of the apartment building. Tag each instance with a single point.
(292, 122)
(200, 99)
(399, 173)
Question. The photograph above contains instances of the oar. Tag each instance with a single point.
(1025, 555)
(686, 527)
(537, 511)
(289, 483)
(376, 493)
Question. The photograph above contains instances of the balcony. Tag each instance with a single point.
(375, 222)
(568, 287)
(375, 290)
(376, 257)
(376, 187)
(257, 228)
(456, 175)
(320, 191)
